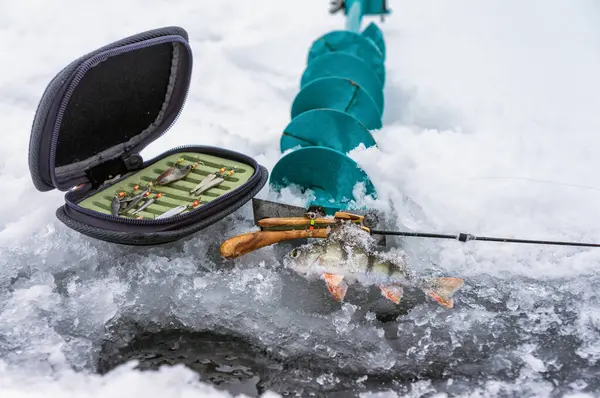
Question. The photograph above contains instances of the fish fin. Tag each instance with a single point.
(441, 290)
(332, 279)
(336, 285)
(338, 292)
(392, 292)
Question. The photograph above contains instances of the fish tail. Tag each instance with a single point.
(442, 289)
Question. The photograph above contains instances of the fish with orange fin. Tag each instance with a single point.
(342, 262)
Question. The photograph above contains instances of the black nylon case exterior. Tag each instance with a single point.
(99, 112)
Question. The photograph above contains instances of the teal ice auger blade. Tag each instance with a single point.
(361, 46)
(339, 64)
(341, 94)
(340, 100)
(374, 34)
(329, 174)
(343, 131)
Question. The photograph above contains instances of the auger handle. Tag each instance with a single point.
(248, 242)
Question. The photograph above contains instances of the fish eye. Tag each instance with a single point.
(295, 253)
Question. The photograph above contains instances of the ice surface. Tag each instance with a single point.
(490, 127)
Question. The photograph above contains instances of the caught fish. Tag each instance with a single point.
(147, 203)
(341, 264)
(175, 173)
(210, 181)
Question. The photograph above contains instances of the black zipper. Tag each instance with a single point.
(198, 210)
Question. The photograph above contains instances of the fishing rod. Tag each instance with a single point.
(275, 230)
(465, 237)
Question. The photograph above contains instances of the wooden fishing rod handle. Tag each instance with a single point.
(296, 221)
(291, 221)
(245, 243)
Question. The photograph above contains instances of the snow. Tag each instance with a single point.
(490, 127)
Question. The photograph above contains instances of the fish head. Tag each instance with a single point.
(302, 259)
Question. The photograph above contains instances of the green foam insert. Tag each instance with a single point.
(176, 193)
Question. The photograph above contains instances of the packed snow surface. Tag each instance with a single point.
(491, 127)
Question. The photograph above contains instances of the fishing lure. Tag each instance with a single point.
(178, 210)
(147, 203)
(175, 173)
(136, 199)
(210, 181)
(122, 202)
(118, 203)
(123, 195)
(172, 212)
(115, 205)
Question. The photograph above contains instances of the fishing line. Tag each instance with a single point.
(539, 181)
(465, 237)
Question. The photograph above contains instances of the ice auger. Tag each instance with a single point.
(340, 100)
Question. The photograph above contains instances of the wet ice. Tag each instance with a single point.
(466, 100)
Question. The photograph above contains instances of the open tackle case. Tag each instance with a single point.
(93, 120)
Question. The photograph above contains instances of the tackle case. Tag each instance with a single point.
(93, 120)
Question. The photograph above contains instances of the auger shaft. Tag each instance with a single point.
(354, 17)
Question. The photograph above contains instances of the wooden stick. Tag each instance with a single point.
(245, 243)
(342, 215)
(295, 221)
(292, 221)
